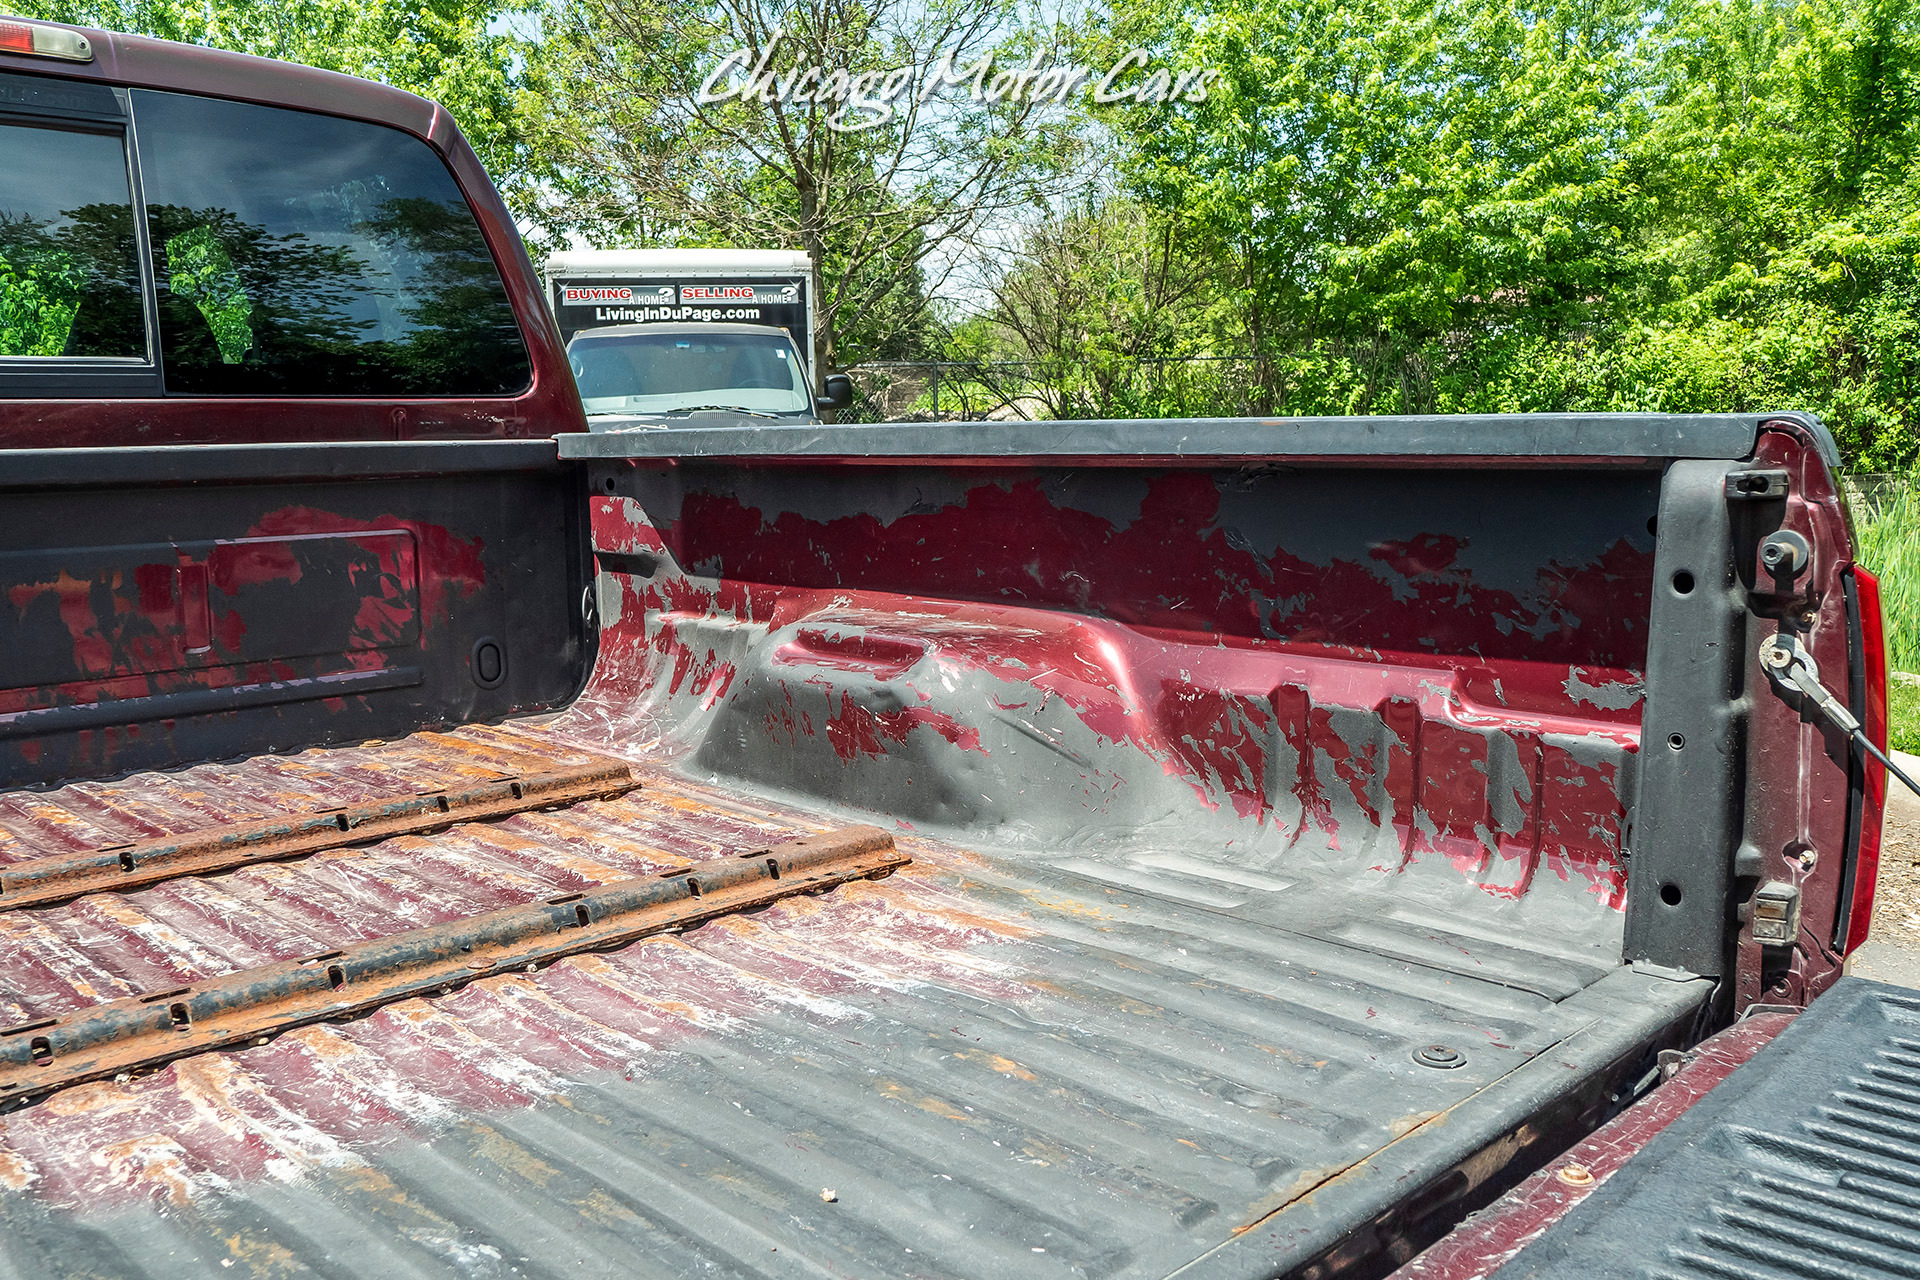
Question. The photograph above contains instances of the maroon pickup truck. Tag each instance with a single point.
(438, 840)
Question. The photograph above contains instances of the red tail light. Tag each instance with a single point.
(44, 42)
(1873, 807)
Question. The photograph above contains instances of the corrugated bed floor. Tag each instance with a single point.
(979, 1067)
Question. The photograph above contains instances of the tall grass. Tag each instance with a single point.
(1889, 532)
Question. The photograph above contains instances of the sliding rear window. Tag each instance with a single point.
(297, 254)
(69, 271)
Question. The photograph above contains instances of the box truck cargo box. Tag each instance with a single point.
(596, 288)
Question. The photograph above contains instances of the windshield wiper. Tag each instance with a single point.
(719, 408)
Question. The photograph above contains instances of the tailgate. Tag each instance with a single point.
(1803, 1162)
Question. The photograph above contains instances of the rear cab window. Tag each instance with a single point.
(280, 253)
(71, 294)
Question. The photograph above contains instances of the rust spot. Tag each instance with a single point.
(928, 903)
(397, 970)
(1405, 1125)
(1308, 1183)
(1065, 906)
(261, 1256)
(101, 1098)
(509, 1155)
(1005, 1066)
(1292, 1055)
(38, 881)
(1303, 1182)
(931, 1105)
(323, 1043)
(604, 1209)
(152, 1160)
(16, 1172)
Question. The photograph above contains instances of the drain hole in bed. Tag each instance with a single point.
(1670, 894)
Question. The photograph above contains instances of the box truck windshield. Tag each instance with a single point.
(654, 371)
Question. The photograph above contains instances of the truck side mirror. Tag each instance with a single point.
(836, 392)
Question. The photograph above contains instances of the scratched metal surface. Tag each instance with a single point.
(1363, 678)
(1005, 1070)
(1186, 898)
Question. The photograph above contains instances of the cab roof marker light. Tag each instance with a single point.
(44, 42)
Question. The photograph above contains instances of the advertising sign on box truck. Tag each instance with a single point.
(597, 288)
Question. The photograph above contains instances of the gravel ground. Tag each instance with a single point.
(1892, 950)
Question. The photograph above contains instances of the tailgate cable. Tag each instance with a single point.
(1793, 668)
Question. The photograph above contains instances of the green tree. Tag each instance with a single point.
(1396, 172)
(1782, 242)
(1092, 305)
(636, 156)
(453, 51)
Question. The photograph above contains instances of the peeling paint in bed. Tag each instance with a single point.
(1308, 739)
(1214, 818)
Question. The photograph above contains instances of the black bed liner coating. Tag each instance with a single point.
(1804, 1163)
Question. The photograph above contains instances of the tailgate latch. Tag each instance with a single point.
(1757, 485)
(1776, 914)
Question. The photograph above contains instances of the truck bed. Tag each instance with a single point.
(996, 1065)
(1213, 847)
(1233, 938)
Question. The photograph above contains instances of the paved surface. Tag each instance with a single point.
(1892, 951)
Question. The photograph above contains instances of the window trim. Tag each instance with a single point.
(25, 377)
(149, 286)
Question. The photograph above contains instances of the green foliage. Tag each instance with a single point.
(1785, 210)
(1889, 534)
(68, 285)
(199, 270)
(1903, 718)
(1099, 299)
(1380, 205)
(38, 300)
(447, 50)
(631, 154)
(1483, 205)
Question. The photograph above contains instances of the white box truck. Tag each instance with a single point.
(657, 336)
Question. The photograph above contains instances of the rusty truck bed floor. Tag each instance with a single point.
(988, 1064)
